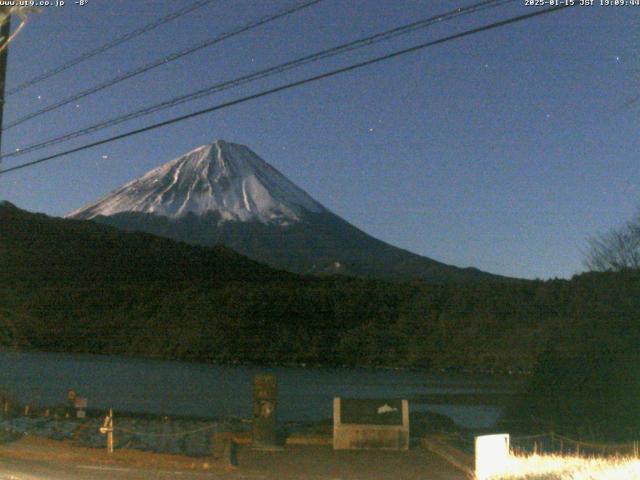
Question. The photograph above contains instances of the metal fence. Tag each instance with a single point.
(190, 437)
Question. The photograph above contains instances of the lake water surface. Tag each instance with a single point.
(177, 388)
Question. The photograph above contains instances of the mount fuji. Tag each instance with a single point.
(224, 193)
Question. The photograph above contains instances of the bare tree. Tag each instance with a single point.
(616, 250)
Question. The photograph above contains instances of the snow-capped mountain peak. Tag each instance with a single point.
(225, 178)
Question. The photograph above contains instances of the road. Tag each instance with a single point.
(19, 469)
(37, 459)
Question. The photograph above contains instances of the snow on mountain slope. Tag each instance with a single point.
(224, 193)
(223, 177)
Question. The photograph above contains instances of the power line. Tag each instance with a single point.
(288, 86)
(107, 46)
(260, 74)
(160, 62)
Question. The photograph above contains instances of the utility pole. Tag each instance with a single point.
(5, 31)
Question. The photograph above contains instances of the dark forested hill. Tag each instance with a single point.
(39, 251)
(69, 285)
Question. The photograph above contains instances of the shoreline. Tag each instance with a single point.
(508, 373)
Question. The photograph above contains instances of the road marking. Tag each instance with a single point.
(123, 469)
(113, 469)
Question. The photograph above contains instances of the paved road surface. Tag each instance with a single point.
(293, 463)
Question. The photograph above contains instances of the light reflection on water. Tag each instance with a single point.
(176, 388)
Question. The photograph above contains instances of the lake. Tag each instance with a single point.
(195, 389)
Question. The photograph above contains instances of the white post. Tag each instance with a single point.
(107, 428)
(492, 455)
(110, 432)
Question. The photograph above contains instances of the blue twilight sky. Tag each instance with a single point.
(504, 150)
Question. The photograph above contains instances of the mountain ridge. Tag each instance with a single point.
(226, 194)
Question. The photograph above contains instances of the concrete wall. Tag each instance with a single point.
(353, 436)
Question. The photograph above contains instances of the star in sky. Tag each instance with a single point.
(538, 49)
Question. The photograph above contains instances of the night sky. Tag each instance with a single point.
(505, 150)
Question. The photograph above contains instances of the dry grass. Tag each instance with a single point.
(557, 467)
